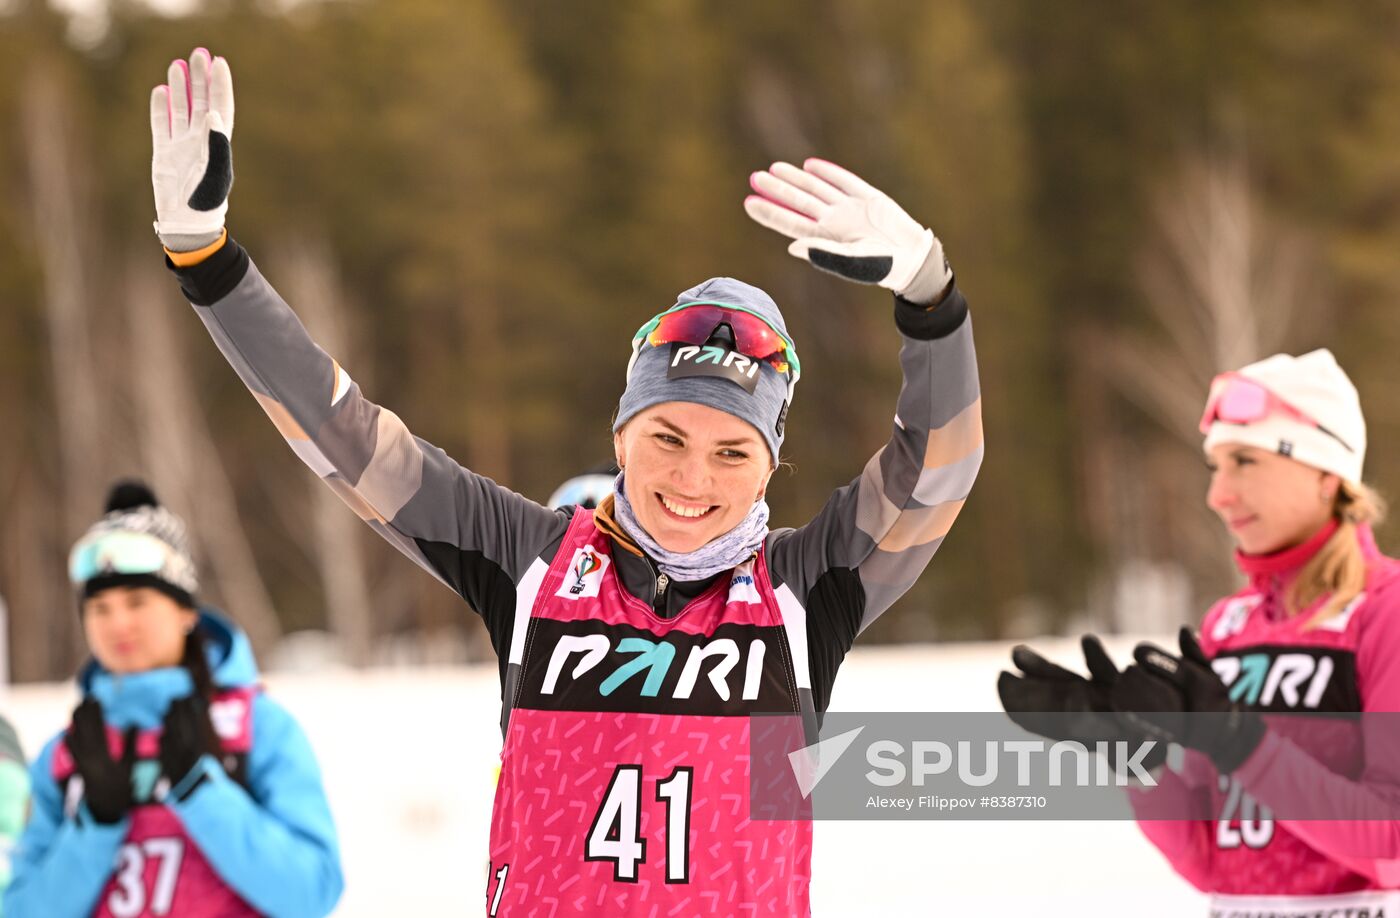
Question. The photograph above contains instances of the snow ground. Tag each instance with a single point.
(409, 758)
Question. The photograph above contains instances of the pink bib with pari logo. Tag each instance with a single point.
(625, 772)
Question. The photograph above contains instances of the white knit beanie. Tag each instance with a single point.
(1317, 386)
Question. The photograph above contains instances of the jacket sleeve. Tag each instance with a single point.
(277, 848)
(60, 865)
(1175, 816)
(14, 811)
(875, 536)
(1365, 835)
(461, 527)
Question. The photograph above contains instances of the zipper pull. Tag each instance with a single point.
(662, 581)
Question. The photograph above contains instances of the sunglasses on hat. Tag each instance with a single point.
(1236, 399)
(695, 323)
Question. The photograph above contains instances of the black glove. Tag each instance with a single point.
(187, 736)
(1053, 702)
(1166, 695)
(106, 781)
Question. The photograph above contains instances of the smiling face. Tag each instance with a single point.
(693, 472)
(135, 629)
(1267, 501)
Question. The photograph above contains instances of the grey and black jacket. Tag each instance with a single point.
(845, 567)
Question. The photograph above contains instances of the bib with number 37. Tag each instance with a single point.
(161, 872)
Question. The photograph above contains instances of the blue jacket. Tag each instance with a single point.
(275, 847)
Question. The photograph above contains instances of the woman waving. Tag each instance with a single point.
(635, 639)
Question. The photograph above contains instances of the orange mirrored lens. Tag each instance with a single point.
(753, 337)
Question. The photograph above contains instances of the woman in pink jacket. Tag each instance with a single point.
(1272, 812)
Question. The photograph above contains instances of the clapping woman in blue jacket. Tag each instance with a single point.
(179, 788)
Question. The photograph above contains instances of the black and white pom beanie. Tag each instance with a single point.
(132, 507)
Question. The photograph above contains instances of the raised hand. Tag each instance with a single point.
(106, 780)
(1182, 700)
(192, 158)
(842, 224)
(186, 736)
(1051, 701)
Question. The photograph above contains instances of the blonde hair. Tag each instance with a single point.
(1338, 571)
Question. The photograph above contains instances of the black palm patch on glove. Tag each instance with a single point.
(870, 269)
(214, 188)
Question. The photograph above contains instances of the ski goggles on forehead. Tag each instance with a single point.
(109, 553)
(1236, 399)
(695, 323)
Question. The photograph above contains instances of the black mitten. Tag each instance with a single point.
(1053, 702)
(187, 736)
(106, 781)
(1181, 699)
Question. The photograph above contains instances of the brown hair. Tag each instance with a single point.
(1338, 571)
(197, 663)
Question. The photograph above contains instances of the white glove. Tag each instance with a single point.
(192, 163)
(847, 227)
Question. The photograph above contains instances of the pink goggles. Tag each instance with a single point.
(1236, 399)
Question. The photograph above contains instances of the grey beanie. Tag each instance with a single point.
(652, 379)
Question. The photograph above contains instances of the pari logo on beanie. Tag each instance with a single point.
(137, 542)
(711, 360)
(711, 374)
(1315, 385)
